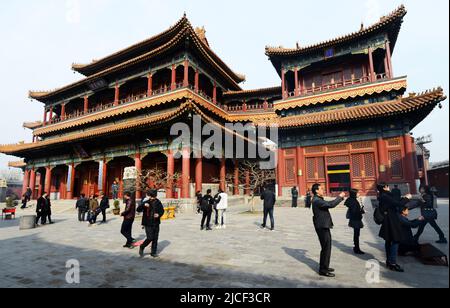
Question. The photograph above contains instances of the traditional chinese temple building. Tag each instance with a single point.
(343, 115)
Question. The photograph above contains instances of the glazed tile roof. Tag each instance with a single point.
(385, 109)
(262, 91)
(343, 93)
(394, 19)
(186, 31)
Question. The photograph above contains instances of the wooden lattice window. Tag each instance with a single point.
(317, 149)
(395, 158)
(393, 142)
(337, 147)
(290, 170)
(357, 165)
(369, 164)
(321, 168)
(363, 145)
(311, 168)
(337, 160)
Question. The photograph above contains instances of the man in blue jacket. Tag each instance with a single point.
(323, 224)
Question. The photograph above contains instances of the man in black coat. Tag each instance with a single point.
(128, 219)
(82, 205)
(294, 193)
(48, 209)
(152, 210)
(40, 209)
(269, 204)
(323, 224)
(104, 205)
(206, 206)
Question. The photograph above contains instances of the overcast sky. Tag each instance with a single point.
(41, 39)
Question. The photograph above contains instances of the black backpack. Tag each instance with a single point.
(378, 216)
(204, 205)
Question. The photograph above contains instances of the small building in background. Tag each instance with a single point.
(438, 178)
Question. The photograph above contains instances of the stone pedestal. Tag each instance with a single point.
(28, 222)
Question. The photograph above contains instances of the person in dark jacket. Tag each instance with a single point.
(104, 205)
(152, 210)
(28, 194)
(409, 244)
(430, 214)
(391, 229)
(308, 200)
(269, 204)
(323, 224)
(199, 197)
(40, 209)
(206, 206)
(128, 219)
(48, 209)
(355, 216)
(24, 202)
(294, 193)
(397, 193)
(115, 190)
(82, 205)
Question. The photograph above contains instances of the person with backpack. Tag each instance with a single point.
(355, 216)
(430, 214)
(206, 206)
(388, 214)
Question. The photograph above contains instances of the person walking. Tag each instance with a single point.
(269, 204)
(355, 216)
(391, 229)
(323, 224)
(128, 219)
(40, 209)
(104, 205)
(115, 190)
(48, 209)
(430, 214)
(294, 193)
(206, 206)
(222, 207)
(152, 210)
(82, 205)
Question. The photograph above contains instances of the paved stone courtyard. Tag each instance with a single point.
(243, 255)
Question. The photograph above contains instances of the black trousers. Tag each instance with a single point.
(126, 230)
(325, 243)
(294, 202)
(81, 215)
(104, 215)
(40, 215)
(356, 236)
(435, 226)
(217, 217)
(152, 233)
(206, 217)
(269, 212)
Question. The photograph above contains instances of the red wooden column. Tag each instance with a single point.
(244, 106)
(48, 180)
(383, 160)
(386, 68)
(45, 116)
(71, 185)
(409, 162)
(33, 182)
(280, 172)
(389, 59)
(373, 77)
(26, 181)
(236, 178)
(173, 85)
(197, 81)
(186, 73)
(283, 83)
(297, 89)
(63, 111)
(116, 95)
(223, 174)
(301, 165)
(150, 84)
(138, 165)
(247, 183)
(186, 173)
(215, 94)
(170, 173)
(51, 114)
(199, 175)
(86, 104)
